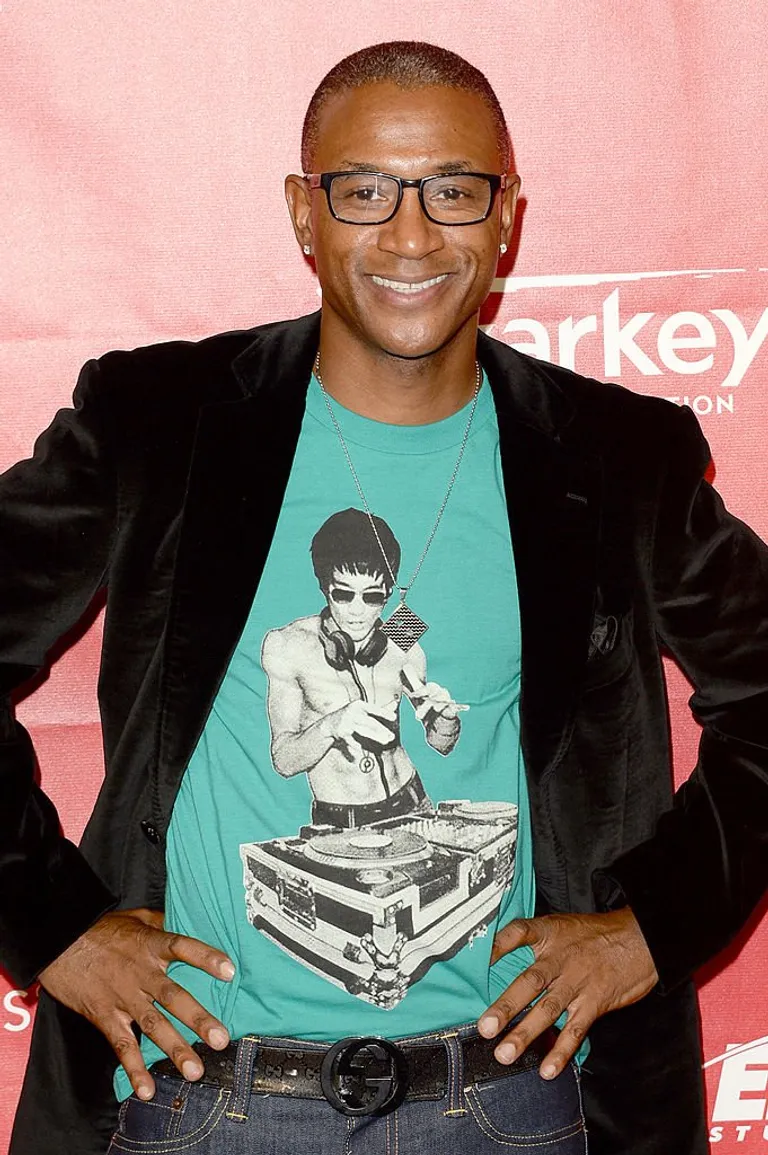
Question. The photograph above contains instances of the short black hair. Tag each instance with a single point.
(346, 541)
(408, 64)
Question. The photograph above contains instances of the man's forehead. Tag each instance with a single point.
(346, 576)
(435, 128)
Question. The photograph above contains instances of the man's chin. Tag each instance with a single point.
(407, 347)
(413, 338)
(416, 342)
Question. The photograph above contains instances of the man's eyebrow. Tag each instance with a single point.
(342, 582)
(373, 579)
(454, 167)
(358, 166)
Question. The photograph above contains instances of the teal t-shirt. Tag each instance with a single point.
(353, 824)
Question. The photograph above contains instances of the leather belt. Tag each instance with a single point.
(363, 1076)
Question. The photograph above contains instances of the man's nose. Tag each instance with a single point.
(410, 233)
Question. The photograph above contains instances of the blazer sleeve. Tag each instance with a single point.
(693, 885)
(57, 522)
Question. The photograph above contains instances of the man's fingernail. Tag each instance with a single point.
(190, 1070)
(488, 1026)
(143, 1091)
(227, 970)
(506, 1052)
(548, 1071)
(218, 1038)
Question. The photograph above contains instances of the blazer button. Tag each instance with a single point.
(150, 832)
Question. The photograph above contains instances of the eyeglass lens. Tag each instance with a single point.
(370, 597)
(368, 198)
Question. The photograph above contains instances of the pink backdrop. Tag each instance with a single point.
(142, 150)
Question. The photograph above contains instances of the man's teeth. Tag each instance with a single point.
(406, 287)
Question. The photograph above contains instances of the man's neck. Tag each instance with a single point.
(398, 390)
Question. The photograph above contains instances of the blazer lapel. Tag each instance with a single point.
(553, 489)
(242, 459)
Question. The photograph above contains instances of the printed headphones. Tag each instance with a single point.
(339, 647)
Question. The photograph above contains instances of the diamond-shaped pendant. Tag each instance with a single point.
(404, 627)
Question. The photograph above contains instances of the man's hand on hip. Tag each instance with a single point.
(115, 973)
(585, 965)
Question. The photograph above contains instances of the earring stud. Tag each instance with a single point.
(502, 248)
(307, 250)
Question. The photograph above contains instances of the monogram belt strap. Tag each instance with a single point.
(363, 1076)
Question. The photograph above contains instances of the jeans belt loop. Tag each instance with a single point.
(456, 1103)
(247, 1050)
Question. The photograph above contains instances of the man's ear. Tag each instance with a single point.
(299, 200)
(508, 206)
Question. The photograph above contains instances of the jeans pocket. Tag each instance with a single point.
(177, 1118)
(527, 1111)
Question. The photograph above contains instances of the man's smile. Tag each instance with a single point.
(408, 286)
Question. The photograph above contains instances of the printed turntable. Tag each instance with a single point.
(372, 908)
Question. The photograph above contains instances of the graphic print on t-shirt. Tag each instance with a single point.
(381, 882)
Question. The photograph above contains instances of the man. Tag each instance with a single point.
(336, 680)
(184, 478)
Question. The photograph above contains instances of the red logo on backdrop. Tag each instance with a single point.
(697, 355)
(740, 1108)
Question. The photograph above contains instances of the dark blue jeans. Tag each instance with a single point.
(522, 1113)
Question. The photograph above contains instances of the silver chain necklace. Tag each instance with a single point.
(404, 627)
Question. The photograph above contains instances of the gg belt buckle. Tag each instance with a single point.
(364, 1076)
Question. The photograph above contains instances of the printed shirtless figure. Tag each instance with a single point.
(336, 682)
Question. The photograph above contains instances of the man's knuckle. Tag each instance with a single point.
(94, 1010)
(537, 978)
(503, 1008)
(173, 943)
(143, 932)
(201, 1023)
(575, 1030)
(149, 1022)
(167, 992)
(123, 1045)
(577, 949)
(521, 1037)
(552, 1006)
(560, 1059)
(180, 1053)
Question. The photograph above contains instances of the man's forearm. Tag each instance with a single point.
(298, 753)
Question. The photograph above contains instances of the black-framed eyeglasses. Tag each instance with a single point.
(373, 198)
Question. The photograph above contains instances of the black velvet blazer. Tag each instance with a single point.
(164, 484)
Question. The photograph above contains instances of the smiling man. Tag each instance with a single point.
(511, 965)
